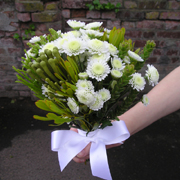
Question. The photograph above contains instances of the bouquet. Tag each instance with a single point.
(86, 77)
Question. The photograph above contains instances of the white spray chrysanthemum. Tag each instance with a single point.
(126, 59)
(98, 69)
(112, 49)
(83, 75)
(98, 102)
(117, 63)
(72, 105)
(96, 46)
(93, 25)
(59, 32)
(105, 94)
(35, 39)
(30, 54)
(84, 84)
(116, 73)
(59, 43)
(137, 81)
(74, 46)
(152, 75)
(44, 90)
(85, 96)
(135, 56)
(97, 57)
(93, 33)
(145, 100)
(75, 24)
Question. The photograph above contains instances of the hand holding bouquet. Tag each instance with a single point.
(86, 77)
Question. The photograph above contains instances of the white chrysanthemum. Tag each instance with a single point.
(117, 63)
(72, 105)
(97, 57)
(135, 56)
(145, 100)
(83, 75)
(137, 82)
(85, 96)
(73, 34)
(112, 49)
(98, 102)
(59, 43)
(116, 73)
(45, 36)
(49, 46)
(105, 94)
(76, 24)
(74, 46)
(93, 25)
(35, 39)
(44, 90)
(30, 54)
(96, 46)
(59, 32)
(93, 33)
(98, 69)
(107, 30)
(152, 75)
(83, 57)
(126, 60)
(84, 84)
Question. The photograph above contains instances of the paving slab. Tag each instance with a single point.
(25, 154)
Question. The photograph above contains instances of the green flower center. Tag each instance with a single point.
(138, 81)
(116, 73)
(98, 69)
(117, 63)
(74, 46)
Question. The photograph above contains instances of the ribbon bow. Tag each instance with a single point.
(69, 143)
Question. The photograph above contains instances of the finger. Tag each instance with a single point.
(74, 129)
(84, 152)
(112, 145)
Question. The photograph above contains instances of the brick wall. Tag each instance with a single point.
(157, 20)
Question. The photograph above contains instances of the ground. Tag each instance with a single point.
(25, 152)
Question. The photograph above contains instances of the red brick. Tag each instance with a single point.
(14, 24)
(130, 4)
(93, 14)
(140, 43)
(29, 6)
(2, 33)
(133, 15)
(38, 33)
(55, 25)
(51, 6)
(170, 15)
(111, 24)
(173, 5)
(15, 51)
(157, 52)
(172, 52)
(149, 34)
(160, 44)
(151, 60)
(128, 25)
(3, 51)
(24, 17)
(165, 34)
(152, 5)
(152, 15)
(133, 34)
(24, 93)
(108, 15)
(178, 43)
(175, 59)
(9, 42)
(66, 13)
(46, 16)
(78, 13)
(41, 27)
(172, 25)
(148, 24)
(71, 4)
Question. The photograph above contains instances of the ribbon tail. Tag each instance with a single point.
(98, 161)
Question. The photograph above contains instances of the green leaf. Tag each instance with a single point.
(42, 118)
(42, 105)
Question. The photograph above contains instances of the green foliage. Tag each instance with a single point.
(96, 5)
(28, 33)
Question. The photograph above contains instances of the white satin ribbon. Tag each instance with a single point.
(69, 143)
